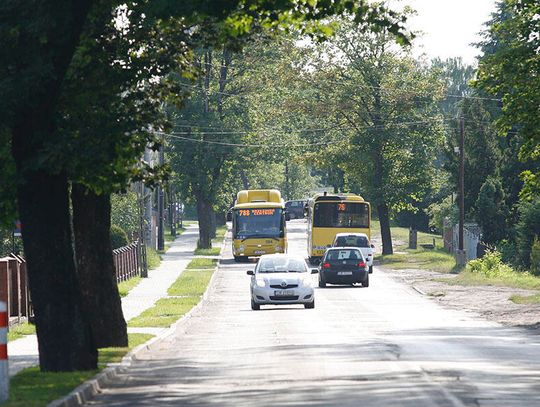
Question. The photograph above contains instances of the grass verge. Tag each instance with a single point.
(33, 388)
(424, 259)
(20, 330)
(525, 299)
(153, 258)
(514, 279)
(187, 289)
(202, 264)
(126, 286)
(214, 251)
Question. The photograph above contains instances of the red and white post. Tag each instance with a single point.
(4, 368)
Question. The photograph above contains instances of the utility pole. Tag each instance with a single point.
(461, 256)
(160, 236)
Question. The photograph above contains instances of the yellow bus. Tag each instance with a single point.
(328, 214)
(258, 224)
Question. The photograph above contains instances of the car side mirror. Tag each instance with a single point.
(250, 273)
(373, 246)
(314, 271)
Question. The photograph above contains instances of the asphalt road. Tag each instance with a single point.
(385, 345)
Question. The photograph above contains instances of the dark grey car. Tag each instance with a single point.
(343, 265)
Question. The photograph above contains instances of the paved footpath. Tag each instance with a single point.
(23, 352)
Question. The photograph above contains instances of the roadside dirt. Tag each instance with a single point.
(490, 302)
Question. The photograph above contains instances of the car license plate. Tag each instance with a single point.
(344, 273)
(283, 293)
(260, 252)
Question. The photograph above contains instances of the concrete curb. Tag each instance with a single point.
(87, 390)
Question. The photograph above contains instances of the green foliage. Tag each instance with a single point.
(125, 211)
(438, 211)
(527, 228)
(490, 265)
(535, 257)
(509, 69)
(491, 211)
(119, 237)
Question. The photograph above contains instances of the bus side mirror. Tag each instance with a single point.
(229, 216)
(287, 216)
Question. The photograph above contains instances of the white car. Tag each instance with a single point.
(281, 279)
(359, 240)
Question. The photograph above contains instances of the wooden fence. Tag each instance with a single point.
(127, 261)
(14, 279)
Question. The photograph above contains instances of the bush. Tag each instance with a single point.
(490, 265)
(119, 237)
(508, 249)
(125, 211)
(535, 257)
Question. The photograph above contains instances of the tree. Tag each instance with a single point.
(41, 57)
(510, 70)
(384, 109)
(491, 211)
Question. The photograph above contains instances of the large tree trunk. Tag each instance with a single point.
(384, 220)
(95, 266)
(204, 214)
(213, 225)
(64, 335)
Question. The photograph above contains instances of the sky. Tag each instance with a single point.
(449, 26)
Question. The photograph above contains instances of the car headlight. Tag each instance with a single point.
(308, 282)
(261, 283)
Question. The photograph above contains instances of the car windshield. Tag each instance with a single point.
(281, 265)
(346, 254)
(352, 241)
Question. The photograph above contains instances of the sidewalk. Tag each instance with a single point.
(23, 352)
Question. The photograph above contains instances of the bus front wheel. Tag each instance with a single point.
(240, 259)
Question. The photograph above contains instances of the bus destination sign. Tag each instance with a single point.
(256, 212)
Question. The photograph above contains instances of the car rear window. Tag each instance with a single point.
(281, 265)
(345, 254)
(352, 241)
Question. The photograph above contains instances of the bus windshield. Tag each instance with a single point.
(341, 215)
(264, 222)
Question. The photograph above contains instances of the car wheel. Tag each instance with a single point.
(322, 283)
(370, 269)
(365, 283)
(310, 305)
(254, 306)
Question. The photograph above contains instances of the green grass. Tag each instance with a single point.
(525, 299)
(153, 258)
(202, 264)
(214, 251)
(514, 279)
(20, 330)
(187, 289)
(436, 259)
(191, 283)
(424, 259)
(33, 388)
(165, 312)
(126, 286)
(220, 234)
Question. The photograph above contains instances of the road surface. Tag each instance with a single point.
(385, 345)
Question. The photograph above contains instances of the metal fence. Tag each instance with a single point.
(471, 239)
(14, 288)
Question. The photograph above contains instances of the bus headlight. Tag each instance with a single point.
(241, 248)
(261, 283)
(278, 248)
